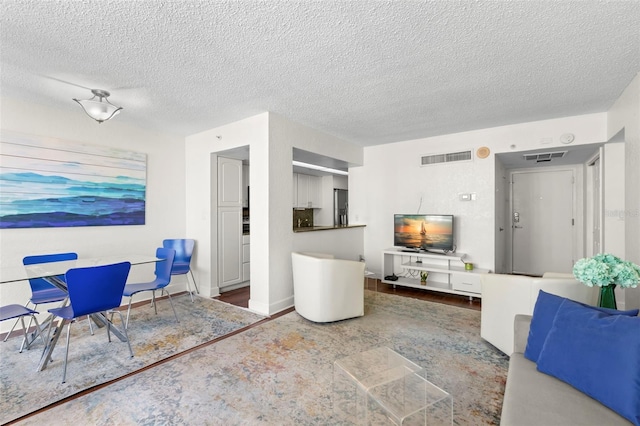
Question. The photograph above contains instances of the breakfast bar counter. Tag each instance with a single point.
(324, 228)
(343, 242)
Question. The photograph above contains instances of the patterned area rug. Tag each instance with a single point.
(93, 360)
(280, 372)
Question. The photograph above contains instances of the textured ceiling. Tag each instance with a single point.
(366, 71)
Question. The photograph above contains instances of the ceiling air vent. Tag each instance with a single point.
(428, 160)
(544, 157)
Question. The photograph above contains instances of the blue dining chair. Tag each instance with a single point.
(93, 290)
(182, 263)
(163, 278)
(18, 312)
(43, 291)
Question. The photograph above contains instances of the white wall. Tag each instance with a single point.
(625, 115)
(392, 181)
(164, 198)
(613, 198)
(613, 194)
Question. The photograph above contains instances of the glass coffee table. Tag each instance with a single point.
(381, 386)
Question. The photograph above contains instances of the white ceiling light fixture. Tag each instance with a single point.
(99, 109)
(321, 168)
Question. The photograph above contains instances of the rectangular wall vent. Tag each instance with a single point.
(428, 160)
(544, 157)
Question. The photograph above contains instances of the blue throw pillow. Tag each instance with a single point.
(544, 313)
(598, 354)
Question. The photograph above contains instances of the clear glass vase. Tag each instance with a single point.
(607, 297)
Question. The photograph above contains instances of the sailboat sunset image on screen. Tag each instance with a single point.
(423, 232)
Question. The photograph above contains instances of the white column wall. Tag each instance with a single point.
(613, 198)
(201, 194)
(271, 139)
(392, 181)
(613, 195)
(625, 114)
(164, 197)
(284, 135)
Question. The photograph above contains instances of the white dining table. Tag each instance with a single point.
(50, 272)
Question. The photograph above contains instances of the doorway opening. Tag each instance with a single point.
(543, 221)
(230, 219)
(595, 206)
(527, 165)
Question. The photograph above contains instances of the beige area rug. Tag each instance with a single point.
(280, 372)
(93, 360)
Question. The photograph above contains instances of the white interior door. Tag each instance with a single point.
(543, 222)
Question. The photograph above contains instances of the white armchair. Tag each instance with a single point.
(504, 296)
(327, 289)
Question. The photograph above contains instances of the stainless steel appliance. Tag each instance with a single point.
(340, 207)
(245, 221)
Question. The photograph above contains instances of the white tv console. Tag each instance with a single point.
(446, 272)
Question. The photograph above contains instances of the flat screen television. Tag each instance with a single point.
(423, 232)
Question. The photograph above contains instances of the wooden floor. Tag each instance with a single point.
(240, 297)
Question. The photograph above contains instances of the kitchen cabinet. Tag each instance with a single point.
(246, 258)
(230, 261)
(303, 191)
(315, 184)
(229, 246)
(229, 182)
(306, 191)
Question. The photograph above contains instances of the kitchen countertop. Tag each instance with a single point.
(325, 228)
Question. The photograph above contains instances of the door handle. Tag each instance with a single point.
(516, 226)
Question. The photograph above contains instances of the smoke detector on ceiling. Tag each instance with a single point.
(567, 138)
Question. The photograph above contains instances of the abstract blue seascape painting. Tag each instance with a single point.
(47, 182)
